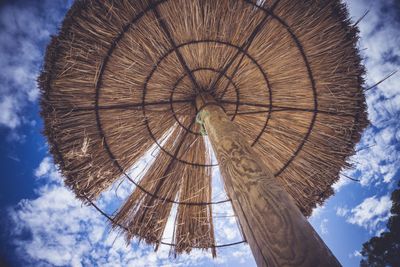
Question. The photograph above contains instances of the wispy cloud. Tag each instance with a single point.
(355, 254)
(324, 226)
(47, 170)
(379, 158)
(370, 214)
(55, 229)
(316, 213)
(24, 33)
(342, 211)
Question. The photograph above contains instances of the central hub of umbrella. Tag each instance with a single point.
(230, 100)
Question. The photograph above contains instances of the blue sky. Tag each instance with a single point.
(41, 224)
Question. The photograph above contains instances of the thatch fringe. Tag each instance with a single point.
(146, 215)
(194, 223)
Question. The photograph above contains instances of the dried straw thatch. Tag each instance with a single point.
(122, 75)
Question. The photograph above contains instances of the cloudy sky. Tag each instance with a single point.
(41, 224)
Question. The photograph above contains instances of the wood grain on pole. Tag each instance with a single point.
(276, 230)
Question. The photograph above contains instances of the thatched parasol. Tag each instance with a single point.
(274, 86)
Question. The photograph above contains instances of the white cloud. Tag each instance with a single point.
(342, 211)
(379, 44)
(324, 226)
(317, 212)
(343, 181)
(379, 231)
(381, 160)
(48, 170)
(370, 214)
(24, 32)
(9, 109)
(56, 221)
(356, 253)
(62, 232)
(379, 47)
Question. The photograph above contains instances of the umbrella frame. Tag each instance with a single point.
(286, 240)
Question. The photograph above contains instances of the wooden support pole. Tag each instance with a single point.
(276, 230)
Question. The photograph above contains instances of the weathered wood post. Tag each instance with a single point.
(276, 230)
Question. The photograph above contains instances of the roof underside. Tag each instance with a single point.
(120, 79)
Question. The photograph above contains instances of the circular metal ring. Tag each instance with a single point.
(148, 78)
(111, 219)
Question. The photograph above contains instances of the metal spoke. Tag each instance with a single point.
(282, 108)
(137, 106)
(164, 27)
(245, 46)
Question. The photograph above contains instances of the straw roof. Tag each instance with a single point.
(121, 78)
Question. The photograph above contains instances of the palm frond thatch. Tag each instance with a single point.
(113, 85)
